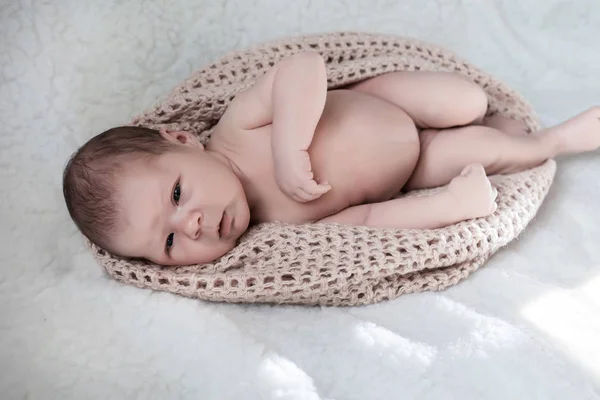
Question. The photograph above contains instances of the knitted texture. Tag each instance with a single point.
(331, 264)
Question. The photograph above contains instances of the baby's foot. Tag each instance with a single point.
(509, 126)
(473, 192)
(578, 134)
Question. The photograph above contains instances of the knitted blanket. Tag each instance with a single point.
(331, 264)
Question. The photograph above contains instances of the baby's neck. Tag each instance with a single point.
(229, 160)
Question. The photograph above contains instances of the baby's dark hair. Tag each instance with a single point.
(89, 178)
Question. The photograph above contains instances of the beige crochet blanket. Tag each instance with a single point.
(329, 264)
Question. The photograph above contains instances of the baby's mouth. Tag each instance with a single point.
(225, 225)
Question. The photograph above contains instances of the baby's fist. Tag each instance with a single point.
(295, 178)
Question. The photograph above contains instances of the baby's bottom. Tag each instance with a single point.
(450, 110)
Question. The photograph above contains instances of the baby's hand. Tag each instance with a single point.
(293, 172)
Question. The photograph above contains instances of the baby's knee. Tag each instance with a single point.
(404, 128)
(471, 102)
(406, 136)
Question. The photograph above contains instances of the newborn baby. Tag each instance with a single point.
(289, 150)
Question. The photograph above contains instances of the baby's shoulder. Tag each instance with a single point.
(248, 146)
(226, 130)
(229, 127)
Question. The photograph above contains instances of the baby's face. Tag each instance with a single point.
(183, 207)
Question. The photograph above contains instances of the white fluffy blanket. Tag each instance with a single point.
(526, 326)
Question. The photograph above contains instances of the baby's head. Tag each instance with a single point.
(155, 195)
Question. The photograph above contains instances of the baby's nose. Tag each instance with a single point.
(193, 225)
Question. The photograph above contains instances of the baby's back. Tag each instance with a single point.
(364, 147)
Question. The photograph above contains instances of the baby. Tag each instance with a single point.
(289, 150)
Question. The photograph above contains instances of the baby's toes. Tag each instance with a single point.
(466, 170)
(477, 169)
(494, 193)
(473, 170)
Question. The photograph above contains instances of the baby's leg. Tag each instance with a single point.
(469, 195)
(445, 154)
(506, 125)
(432, 99)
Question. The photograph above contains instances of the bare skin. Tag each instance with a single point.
(288, 150)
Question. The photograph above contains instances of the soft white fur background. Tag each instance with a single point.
(527, 326)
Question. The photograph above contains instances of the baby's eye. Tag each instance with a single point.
(176, 193)
(170, 241)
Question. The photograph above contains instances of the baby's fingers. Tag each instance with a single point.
(316, 189)
(300, 195)
(310, 191)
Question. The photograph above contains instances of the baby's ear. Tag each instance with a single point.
(180, 137)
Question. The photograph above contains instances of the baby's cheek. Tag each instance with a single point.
(207, 252)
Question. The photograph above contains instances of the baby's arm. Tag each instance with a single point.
(291, 96)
